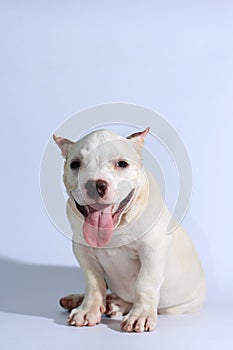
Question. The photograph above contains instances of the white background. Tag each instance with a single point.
(58, 57)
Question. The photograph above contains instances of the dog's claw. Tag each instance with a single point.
(85, 317)
(138, 324)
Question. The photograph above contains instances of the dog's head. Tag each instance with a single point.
(102, 174)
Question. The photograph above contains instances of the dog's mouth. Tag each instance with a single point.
(101, 219)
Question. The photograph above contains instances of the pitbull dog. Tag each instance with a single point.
(119, 223)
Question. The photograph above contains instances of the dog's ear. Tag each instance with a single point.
(139, 136)
(63, 144)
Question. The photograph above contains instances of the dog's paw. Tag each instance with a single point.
(71, 301)
(137, 321)
(116, 307)
(82, 316)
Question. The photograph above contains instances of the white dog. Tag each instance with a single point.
(119, 223)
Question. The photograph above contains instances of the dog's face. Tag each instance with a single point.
(102, 174)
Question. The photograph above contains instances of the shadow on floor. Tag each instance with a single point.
(35, 290)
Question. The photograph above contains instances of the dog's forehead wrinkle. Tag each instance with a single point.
(99, 136)
(101, 145)
(77, 152)
(83, 152)
(91, 143)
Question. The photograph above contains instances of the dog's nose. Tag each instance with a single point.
(96, 188)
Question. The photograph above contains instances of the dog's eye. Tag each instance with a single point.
(122, 164)
(75, 164)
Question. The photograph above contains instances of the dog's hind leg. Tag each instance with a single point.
(71, 301)
(189, 307)
(116, 306)
(195, 304)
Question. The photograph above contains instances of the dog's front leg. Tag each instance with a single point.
(93, 305)
(143, 315)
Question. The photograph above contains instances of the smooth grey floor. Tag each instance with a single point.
(30, 317)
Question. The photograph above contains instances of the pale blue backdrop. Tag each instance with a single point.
(58, 57)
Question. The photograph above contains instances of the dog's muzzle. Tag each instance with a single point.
(100, 220)
(96, 188)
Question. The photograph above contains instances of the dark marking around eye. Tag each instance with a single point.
(75, 164)
(122, 164)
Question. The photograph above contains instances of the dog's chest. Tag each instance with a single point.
(121, 266)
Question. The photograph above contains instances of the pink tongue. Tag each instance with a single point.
(98, 227)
